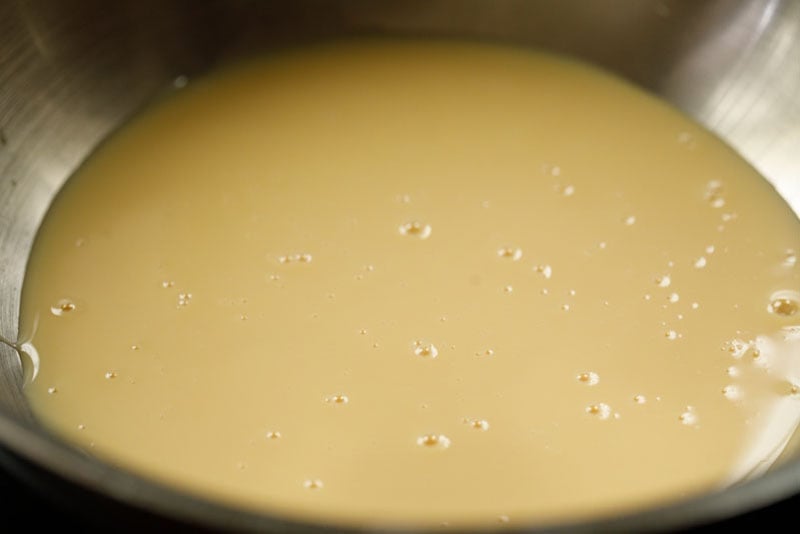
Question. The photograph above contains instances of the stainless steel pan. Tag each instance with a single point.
(72, 72)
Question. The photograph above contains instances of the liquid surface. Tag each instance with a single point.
(420, 283)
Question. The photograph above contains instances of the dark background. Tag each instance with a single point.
(28, 510)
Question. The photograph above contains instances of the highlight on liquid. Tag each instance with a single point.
(419, 283)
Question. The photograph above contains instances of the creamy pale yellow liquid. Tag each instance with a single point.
(419, 283)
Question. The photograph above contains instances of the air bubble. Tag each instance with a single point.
(565, 307)
(434, 441)
(568, 190)
(784, 303)
(273, 434)
(425, 350)
(508, 289)
(671, 335)
(552, 170)
(714, 194)
(303, 257)
(590, 378)
(688, 417)
(511, 253)
(544, 270)
(110, 375)
(166, 284)
(663, 281)
(600, 410)
(736, 347)
(337, 399)
(503, 519)
(184, 299)
(790, 259)
(478, 424)
(731, 392)
(639, 399)
(63, 307)
(416, 229)
(674, 297)
(313, 484)
(135, 347)
(52, 390)
(733, 371)
(630, 220)
(700, 262)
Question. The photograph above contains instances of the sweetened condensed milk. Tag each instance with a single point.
(419, 283)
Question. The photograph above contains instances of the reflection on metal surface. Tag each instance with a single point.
(752, 103)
